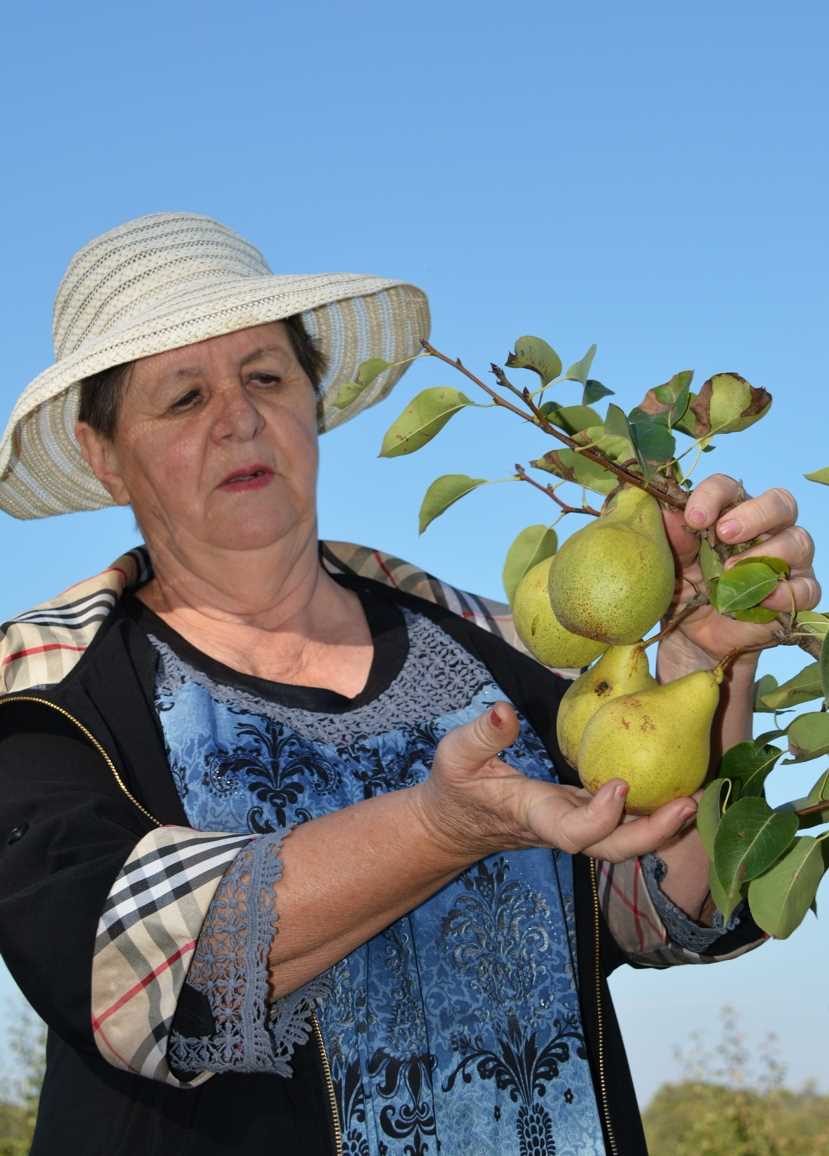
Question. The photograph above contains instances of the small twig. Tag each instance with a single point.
(689, 607)
(537, 418)
(550, 491)
(739, 651)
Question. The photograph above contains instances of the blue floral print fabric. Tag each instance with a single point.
(457, 1029)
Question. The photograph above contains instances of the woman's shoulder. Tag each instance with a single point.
(43, 646)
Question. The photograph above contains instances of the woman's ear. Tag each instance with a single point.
(101, 456)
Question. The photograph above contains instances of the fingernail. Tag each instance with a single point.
(687, 813)
(728, 529)
(495, 718)
(695, 517)
(620, 790)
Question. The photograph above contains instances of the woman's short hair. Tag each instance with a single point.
(101, 393)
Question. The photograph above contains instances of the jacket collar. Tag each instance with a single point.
(42, 646)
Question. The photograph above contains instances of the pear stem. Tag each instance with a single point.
(536, 417)
(550, 491)
(739, 651)
(690, 606)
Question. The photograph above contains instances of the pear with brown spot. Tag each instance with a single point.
(657, 740)
(621, 670)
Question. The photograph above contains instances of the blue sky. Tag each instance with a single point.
(649, 177)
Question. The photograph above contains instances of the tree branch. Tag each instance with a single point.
(523, 476)
(537, 418)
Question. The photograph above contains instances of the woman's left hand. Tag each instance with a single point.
(772, 517)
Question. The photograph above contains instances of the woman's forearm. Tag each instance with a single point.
(348, 875)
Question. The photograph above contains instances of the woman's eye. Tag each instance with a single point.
(186, 400)
(266, 378)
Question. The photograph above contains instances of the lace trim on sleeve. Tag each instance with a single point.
(682, 930)
(230, 967)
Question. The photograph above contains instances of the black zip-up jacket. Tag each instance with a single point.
(66, 828)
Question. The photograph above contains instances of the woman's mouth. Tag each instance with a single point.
(248, 478)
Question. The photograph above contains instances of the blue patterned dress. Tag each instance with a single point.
(455, 1030)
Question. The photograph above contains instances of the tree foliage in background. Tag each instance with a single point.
(21, 1090)
(729, 1103)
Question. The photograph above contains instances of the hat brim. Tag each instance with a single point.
(350, 316)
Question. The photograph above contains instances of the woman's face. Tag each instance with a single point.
(216, 443)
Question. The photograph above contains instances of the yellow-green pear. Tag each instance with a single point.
(620, 670)
(614, 578)
(657, 740)
(539, 629)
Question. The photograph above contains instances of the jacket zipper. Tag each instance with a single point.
(336, 1128)
(597, 971)
(88, 735)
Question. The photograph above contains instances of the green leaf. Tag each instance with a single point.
(580, 370)
(823, 663)
(594, 391)
(424, 416)
(571, 418)
(726, 403)
(750, 838)
(618, 449)
(769, 736)
(531, 546)
(760, 614)
(762, 687)
(709, 811)
(651, 436)
(672, 391)
(821, 476)
(812, 622)
(534, 353)
(443, 493)
(573, 467)
(616, 422)
(709, 561)
(802, 687)
(778, 565)
(748, 764)
(744, 586)
(818, 794)
(808, 736)
(780, 898)
(349, 391)
(725, 900)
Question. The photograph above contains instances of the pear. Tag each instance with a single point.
(539, 629)
(621, 670)
(658, 740)
(614, 578)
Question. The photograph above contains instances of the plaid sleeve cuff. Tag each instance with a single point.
(636, 921)
(146, 936)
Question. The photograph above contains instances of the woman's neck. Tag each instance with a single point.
(282, 618)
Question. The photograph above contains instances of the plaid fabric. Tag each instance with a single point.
(634, 921)
(155, 909)
(146, 936)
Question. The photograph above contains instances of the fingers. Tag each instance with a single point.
(467, 748)
(709, 499)
(572, 820)
(772, 511)
(645, 833)
(794, 545)
(794, 594)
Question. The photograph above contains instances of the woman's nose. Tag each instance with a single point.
(237, 415)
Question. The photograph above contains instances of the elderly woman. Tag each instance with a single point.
(292, 861)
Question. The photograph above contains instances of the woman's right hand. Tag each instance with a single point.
(475, 804)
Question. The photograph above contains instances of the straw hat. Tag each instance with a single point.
(170, 279)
